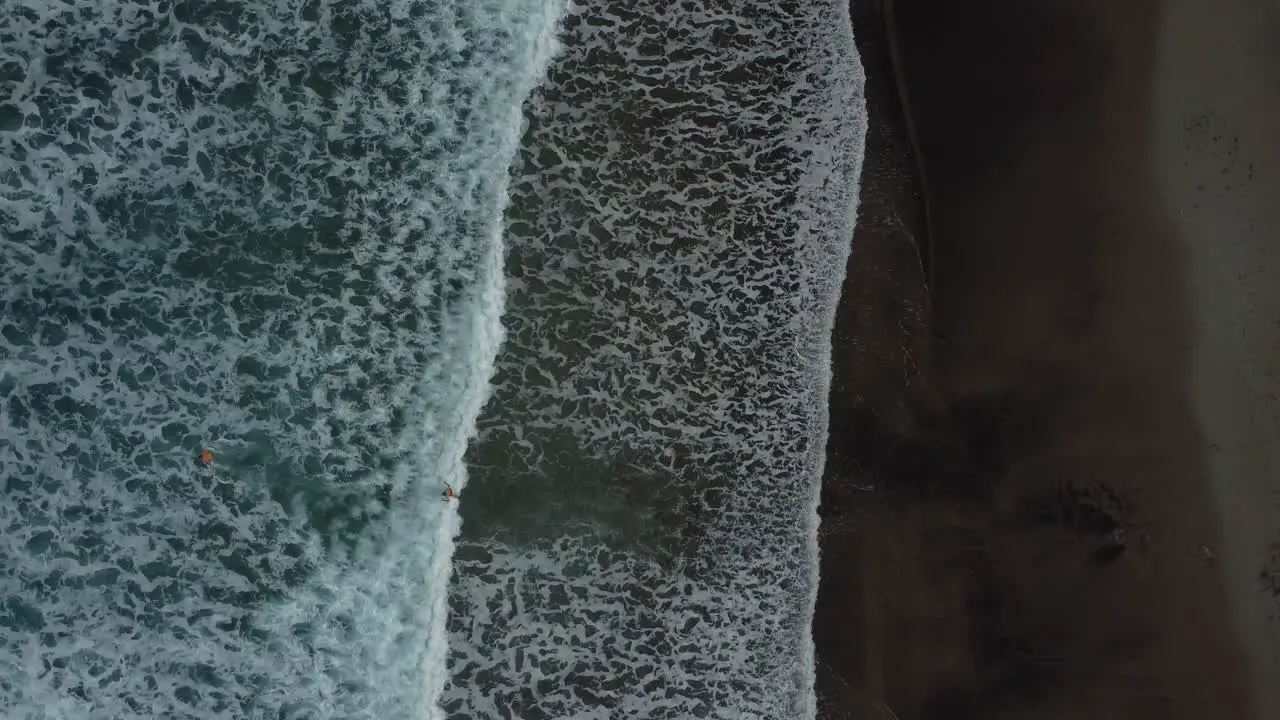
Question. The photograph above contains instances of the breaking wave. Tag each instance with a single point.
(640, 535)
(271, 229)
(275, 229)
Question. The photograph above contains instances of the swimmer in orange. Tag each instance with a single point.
(206, 457)
(448, 492)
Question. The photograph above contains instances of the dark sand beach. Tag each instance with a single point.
(1021, 515)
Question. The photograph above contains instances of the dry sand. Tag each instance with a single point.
(1216, 140)
(1073, 434)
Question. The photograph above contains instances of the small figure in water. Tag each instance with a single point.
(206, 457)
(448, 492)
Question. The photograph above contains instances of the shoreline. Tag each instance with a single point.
(1041, 523)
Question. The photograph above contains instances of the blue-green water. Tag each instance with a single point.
(297, 233)
(273, 230)
(639, 534)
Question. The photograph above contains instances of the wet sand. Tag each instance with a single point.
(1031, 453)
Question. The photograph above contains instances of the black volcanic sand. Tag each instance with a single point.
(1016, 505)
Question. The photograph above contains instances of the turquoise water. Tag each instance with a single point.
(316, 237)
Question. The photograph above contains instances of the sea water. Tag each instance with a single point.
(272, 229)
(639, 532)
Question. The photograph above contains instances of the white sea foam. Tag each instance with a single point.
(640, 539)
(270, 228)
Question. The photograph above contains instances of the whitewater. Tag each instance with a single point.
(578, 260)
(271, 229)
(639, 538)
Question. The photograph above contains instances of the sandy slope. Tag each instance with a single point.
(1099, 353)
(1216, 138)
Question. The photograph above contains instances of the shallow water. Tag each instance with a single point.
(275, 229)
(638, 537)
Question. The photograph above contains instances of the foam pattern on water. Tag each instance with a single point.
(640, 538)
(270, 228)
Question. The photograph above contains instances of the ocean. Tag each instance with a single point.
(578, 261)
